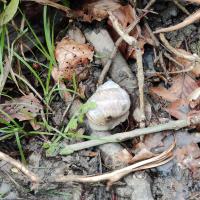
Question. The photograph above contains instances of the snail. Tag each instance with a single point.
(112, 107)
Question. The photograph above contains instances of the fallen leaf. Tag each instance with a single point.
(81, 89)
(189, 157)
(23, 108)
(182, 109)
(182, 87)
(152, 141)
(143, 149)
(179, 109)
(143, 154)
(73, 58)
(123, 156)
(194, 95)
(188, 65)
(126, 15)
(96, 9)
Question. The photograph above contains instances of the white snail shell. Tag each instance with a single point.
(112, 107)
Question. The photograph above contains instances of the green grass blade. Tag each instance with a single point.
(9, 12)
(20, 148)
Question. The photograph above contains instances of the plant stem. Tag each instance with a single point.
(120, 137)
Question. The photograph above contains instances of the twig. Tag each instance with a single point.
(140, 73)
(189, 20)
(114, 52)
(149, 4)
(183, 70)
(193, 57)
(194, 1)
(120, 137)
(163, 65)
(65, 9)
(176, 2)
(155, 40)
(34, 178)
(118, 174)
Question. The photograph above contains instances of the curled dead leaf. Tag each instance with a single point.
(143, 154)
(73, 58)
(23, 108)
(96, 9)
(179, 108)
(126, 15)
(182, 87)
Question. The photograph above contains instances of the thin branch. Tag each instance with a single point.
(193, 57)
(194, 1)
(120, 137)
(34, 178)
(181, 7)
(114, 52)
(189, 20)
(140, 72)
(65, 9)
(120, 173)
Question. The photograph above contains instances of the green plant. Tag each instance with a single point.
(9, 12)
(70, 129)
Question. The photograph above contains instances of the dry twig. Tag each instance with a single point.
(114, 52)
(118, 174)
(189, 20)
(34, 178)
(140, 73)
(193, 57)
(181, 7)
(194, 1)
(65, 9)
(120, 137)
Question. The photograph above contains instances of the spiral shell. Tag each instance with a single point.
(112, 106)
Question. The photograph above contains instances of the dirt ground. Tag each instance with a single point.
(169, 83)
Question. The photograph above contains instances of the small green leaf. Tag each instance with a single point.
(73, 124)
(9, 12)
(66, 151)
(52, 150)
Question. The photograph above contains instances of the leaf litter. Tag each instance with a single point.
(24, 108)
(74, 57)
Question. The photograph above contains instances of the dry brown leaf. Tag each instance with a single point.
(126, 15)
(183, 108)
(81, 89)
(179, 109)
(96, 9)
(189, 157)
(123, 156)
(143, 154)
(182, 87)
(144, 148)
(195, 67)
(23, 108)
(154, 140)
(73, 58)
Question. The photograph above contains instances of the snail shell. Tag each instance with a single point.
(112, 107)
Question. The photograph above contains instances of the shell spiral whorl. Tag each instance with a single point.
(112, 106)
